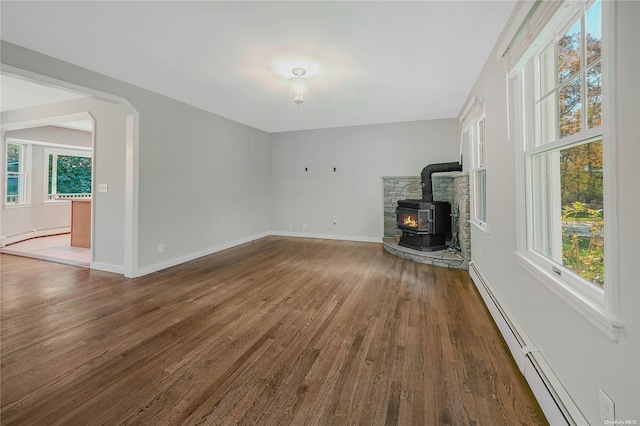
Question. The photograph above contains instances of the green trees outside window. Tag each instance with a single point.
(69, 174)
(581, 166)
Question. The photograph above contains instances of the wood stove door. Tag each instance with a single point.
(413, 219)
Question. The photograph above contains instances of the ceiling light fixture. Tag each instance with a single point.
(298, 86)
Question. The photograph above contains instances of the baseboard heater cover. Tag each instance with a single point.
(33, 233)
(555, 401)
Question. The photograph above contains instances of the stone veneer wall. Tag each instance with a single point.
(462, 201)
(442, 187)
(453, 188)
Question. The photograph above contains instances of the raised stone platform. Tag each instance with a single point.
(442, 258)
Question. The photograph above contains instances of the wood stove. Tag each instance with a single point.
(425, 223)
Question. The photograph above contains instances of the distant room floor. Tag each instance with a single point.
(56, 248)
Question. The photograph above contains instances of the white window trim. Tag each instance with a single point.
(482, 225)
(59, 151)
(595, 312)
(26, 153)
(17, 206)
(602, 312)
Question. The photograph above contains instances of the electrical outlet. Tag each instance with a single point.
(160, 248)
(607, 407)
(291, 226)
(103, 187)
(335, 220)
(304, 227)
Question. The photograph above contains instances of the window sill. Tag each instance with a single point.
(480, 227)
(56, 202)
(591, 310)
(17, 206)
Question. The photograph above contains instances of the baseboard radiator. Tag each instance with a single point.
(33, 233)
(555, 401)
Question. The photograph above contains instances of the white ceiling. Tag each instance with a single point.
(369, 62)
(18, 94)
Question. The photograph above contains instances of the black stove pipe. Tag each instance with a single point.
(427, 188)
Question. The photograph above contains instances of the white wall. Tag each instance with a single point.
(39, 215)
(582, 356)
(361, 155)
(203, 180)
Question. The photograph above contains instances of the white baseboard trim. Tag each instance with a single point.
(106, 267)
(52, 231)
(191, 256)
(555, 401)
(33, 233)
(327, 236)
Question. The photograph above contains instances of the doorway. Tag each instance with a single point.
(113, 216)
(48, 190)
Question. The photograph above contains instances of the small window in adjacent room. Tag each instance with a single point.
(16, 177)
(68, 174)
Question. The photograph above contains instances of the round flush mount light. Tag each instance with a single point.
(298, 86)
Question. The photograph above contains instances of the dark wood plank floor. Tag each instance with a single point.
(276, 332)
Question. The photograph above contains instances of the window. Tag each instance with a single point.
(563, 149)
(479, 174)
(68, 174)
(473, 136)
(16, 167)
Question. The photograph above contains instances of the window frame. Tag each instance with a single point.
(478, 139)
(24, 175)
(472, 124)
(598, 306)
(48, 198)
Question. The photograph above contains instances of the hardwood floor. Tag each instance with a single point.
(276, 332)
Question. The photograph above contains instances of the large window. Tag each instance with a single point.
(68, 174)
(16, 172)
(563, 148)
